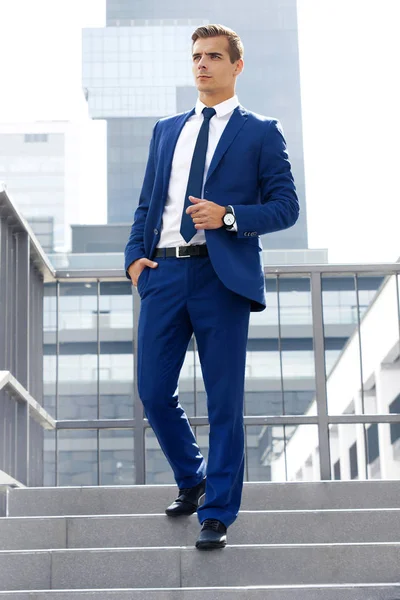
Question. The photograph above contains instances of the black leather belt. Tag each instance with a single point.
(182, 251)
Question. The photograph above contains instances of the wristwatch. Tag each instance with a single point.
(229, 218)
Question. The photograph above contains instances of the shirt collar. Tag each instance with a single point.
(221, 109)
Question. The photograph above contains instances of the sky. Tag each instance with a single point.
(350, 89)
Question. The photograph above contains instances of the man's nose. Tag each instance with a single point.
(202, 64)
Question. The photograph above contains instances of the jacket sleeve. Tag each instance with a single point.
(279, 206)
(135, 247)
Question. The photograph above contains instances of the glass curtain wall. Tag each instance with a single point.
(89, 379)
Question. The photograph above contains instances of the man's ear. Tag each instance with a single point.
(239, 66)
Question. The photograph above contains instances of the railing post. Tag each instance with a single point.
(22, 345)
(4, 281)
(22, 442)
(138, 412)
(320, 376)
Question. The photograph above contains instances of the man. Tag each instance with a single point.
(217, 178)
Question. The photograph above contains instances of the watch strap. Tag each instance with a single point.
(229, 210)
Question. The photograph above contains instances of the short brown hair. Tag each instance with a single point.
(236, 49)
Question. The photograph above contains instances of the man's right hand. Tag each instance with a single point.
(138, 266)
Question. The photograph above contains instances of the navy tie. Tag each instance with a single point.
(196, 175)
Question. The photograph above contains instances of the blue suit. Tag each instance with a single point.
(209, 296)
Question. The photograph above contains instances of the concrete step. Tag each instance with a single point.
(359, 592)
(262, 527)
(153, 499)
(253, 565)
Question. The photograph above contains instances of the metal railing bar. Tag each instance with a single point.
(8, 481)
(398, 303)
(91, 275)
(360, 419)
(320, 377)
(29, 283)
(194, 376)
(37, 254)
(374, 270)
(278, 304)
(363, 439)
(36, 411)
(195, 421)
(139, 424)
(248, 421)
(98, 379)
(57, 390)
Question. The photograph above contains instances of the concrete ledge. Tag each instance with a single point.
(150, 567)
(153, 499)
(174, 567)
(264, 527)
(33, 533)
(292, 565)
(360, 592)
(25, 571)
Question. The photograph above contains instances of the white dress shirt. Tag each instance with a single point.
(172, 215)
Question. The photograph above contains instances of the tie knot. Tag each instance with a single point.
(209, 113)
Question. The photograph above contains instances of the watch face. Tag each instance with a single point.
(229, 219)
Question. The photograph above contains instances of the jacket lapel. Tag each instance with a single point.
(169, 147)
(235, 123)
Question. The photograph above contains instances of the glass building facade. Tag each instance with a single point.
(138, 69)
(89, 375)
(39, 163)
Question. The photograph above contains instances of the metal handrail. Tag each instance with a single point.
(15, 218)
(384, 269)
(36, 411)
(6, 481)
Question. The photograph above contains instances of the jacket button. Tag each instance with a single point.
(155, 232)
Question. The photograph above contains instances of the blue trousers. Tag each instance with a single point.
(180, 297)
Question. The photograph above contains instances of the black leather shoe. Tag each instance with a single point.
(188, 500)
(212, 535)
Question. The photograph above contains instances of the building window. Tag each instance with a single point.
(36, 138)
(353, 461)
(395, 427)
(373, 443)
(336, 469)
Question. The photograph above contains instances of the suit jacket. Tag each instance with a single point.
(250, 170)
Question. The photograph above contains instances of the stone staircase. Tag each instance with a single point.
(335, 540)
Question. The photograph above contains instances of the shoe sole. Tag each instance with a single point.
(210, 545)
(185, 514)
(181, 514)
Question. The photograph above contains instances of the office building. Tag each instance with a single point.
(40, 166)
(365, 381)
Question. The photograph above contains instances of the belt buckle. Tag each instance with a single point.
(181, 255)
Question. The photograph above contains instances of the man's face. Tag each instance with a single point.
(212, 67)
